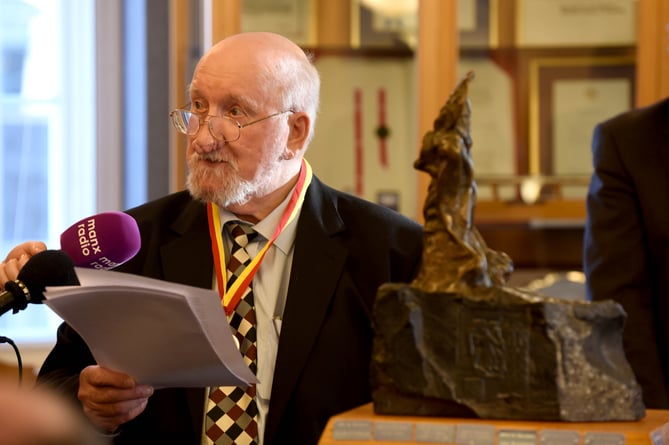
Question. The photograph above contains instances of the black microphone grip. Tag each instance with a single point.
(14, 297)
(47, 268)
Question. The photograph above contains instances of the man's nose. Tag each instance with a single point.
(204, 140)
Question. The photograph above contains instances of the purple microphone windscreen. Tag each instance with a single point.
(102, 241)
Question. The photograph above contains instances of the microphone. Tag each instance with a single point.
(46, 268)
(102, 241)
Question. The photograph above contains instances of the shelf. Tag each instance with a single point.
(361, 426)
(559, 212)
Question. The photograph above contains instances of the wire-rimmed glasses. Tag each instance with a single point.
(223, 128)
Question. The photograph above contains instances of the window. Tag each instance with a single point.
(47, 133)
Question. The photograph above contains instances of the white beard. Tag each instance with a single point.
(229, 189)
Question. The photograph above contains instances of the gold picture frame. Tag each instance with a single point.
(567, 97)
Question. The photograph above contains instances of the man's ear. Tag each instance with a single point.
(299, 131)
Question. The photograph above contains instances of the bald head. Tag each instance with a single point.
(280, 70)
(258, 45)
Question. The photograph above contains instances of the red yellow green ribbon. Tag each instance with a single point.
(230, 297)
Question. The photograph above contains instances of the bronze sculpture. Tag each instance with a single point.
(457, 341)
(449, 206)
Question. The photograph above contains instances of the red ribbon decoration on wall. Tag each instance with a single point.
(382, 129)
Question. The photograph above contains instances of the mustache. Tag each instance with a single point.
(214, 156)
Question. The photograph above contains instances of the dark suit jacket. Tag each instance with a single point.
(345, 248)
(626, 243)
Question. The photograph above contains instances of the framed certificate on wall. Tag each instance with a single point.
(568, 97)
(575, 22)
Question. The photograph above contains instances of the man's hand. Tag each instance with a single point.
(111, 398)
(16, 259)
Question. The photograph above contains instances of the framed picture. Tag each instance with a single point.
(474, 23)
(575, 22)
(373, 29)
(491, 99)
(568, 97)
(290, 18)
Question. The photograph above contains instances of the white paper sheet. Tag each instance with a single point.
(163, 334)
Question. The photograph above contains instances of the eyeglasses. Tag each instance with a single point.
(223, 128)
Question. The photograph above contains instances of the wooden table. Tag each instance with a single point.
(361, 426)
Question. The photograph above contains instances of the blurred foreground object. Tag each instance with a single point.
(38, 416)
(458, 342)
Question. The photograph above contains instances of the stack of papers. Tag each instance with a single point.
(163, 334)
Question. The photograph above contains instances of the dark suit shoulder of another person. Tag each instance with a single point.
(626, 240)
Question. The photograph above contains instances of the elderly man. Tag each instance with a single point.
(302, 314)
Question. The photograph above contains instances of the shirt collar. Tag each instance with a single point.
(267, 226)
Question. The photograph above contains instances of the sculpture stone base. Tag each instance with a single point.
(498, 353)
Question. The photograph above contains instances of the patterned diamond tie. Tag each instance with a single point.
(232, 411)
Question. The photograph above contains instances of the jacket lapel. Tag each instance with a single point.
(318, 262)
(663, 142)
(187, 259)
